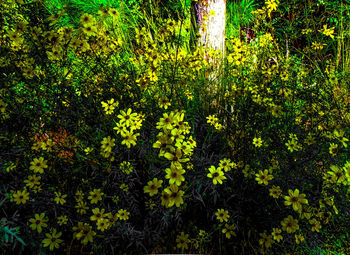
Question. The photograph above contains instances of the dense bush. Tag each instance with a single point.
(113, 141)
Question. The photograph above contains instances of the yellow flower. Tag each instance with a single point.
(98, 214)
(271, 5)
(166, 122)
(121, 128)
(81, 207)
(216, 174)
(316, 225)
(113, 13)
(164, 102)
(293, 145)
(222, 215)
(61, 220)
(153, 186)
(174, 175)
(229, 230)
(88, 150)
(327, 31)
(266, 240)
(295, 199)
(84, 230)
(218, 126)
(289, 224)
(175, 195)
(299, 238)
(226, 164)
(32, 181)
(275, 191)
(127, 117)
(346, 168)
(176, 157)
(38, 165)
(60, 199)
(309, 139)
(129, 138)
(212, 119)
(263, 177)
(20, 197)
(165, 197)
(52, 239)
(89, 29)
(333, 149)
(182, 241)
(38, 222)
(87, 19)
(124, 187)
(103, 12)
(123, 214)
(79, 195)
(276, 234)
(95, 196)
(107, 144)
(110, 106)
(318, 45)
(102, 224)
(306, 31)
(338, 174)
(257, 142)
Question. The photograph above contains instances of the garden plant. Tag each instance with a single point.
(112, 140)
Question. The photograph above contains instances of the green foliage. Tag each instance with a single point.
(127, 108)
(9, 235)
(239, 16)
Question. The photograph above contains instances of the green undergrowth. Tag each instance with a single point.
(120, 136)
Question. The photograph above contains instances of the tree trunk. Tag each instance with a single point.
(210, 18)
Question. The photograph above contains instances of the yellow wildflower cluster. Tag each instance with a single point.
(109, 106)
(271, 6)
(265, 40)
(177, 149)
(267, 9)
(81, 205)
(217, 174)
(239, 55)
(127, 124)
(107, 220)
(213, 120)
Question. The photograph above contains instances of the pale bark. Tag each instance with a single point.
(210, 17)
